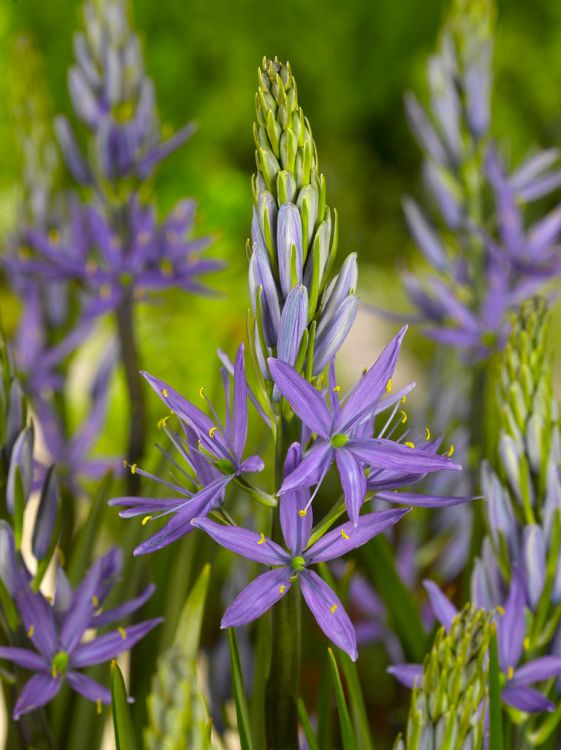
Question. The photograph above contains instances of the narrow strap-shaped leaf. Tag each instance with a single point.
(347, 734)
(397, 598)
(496, 740)
(307, 726)
(324, 711)
(242, 711)
(190, 622)
(122, 723)
(358, 708)
(260, 671)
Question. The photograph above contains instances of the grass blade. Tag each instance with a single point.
(122, 723)
(496, 739)
(307, 726)
(242, 711)
(347, 734)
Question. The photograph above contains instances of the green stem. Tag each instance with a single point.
(284, 672)
(131, 364)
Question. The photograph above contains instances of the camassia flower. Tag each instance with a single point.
(341, 437)
(292, 564)
(511, 629)
(56, 633)
(213, 451)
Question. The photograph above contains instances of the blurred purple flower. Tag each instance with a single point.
(56, 632)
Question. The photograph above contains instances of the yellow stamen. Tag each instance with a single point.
(282, 588)
(333, 608)
(145, 520)
(202, 392)
(163, 422)
(337, 389)
(500, 610)
(527, 643)
(303, 513)
(403, 417)
(113, 663)
(165, 392)
(403, 399)
(31, 631)
(95, 601)
(365, 371)
(510, 673)
(54, 236)
(212, 431)
(133, 468)
(344, 534)
(53, 671)
(427, 433)
(409, 444)
(61, 557)
(450, 451)
(98, 707)
(122, 633)
(125, 464)
(389, 385)
(261, 539)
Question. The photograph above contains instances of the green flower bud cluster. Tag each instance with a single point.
(301, 316)
(447, 706)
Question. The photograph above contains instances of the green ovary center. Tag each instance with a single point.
(59, 663)
(298, 563)
(339, 440)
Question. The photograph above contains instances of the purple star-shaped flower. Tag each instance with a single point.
(291, 564)
(340, 432)
(511, 627)
(212, 450)
(56, 632)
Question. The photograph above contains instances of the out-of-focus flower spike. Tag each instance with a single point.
(47, 519)
(534, 562)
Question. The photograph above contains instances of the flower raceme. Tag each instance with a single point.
(292, 563)
(341, 429)
(56, 632)
(212, 450)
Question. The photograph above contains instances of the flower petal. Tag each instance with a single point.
(407, 674)
(123, 610)
(239, 422)
(257, 598)
(340, 540)
(537, 670)
(37, 691)
(24, 658)
(89, 688)
(387, 454)
(329, 613)
(296, 528)
(526, 699)
(372, 386)
(306, 402)
(442, 607)
(110, 645)
(353, 482)
(38, 619)
(511, 625)
(244, 542)
(415, 500)
(311, 469)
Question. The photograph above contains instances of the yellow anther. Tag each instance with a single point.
(122, 633)
(409, 444)
(125, 464)
(527, 643)
(261, 539)
(165, 392)
(510, 673)
(403, 399)
(163, 422)
(95, 601)
(113, 663)
(212, 431)
(303, 513)
(427, 433)
(53, 671)
(202, 392)
(31, 631)
(337, 389)
(166, 267)
(133, 468)
(24, 253)
(344, 534)
(145, 520)
(61, 557)
(282, 588)
(364, 371)
(500, 610)
(389, 385)
(54, 236)
(450, 451)
(98, 707)
(333, 608)
(403, 417)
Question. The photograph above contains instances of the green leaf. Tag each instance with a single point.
(242, 712)
(188, 631)
(347, 735)
(496, 740)
(122, 723)
(356, 699)
(307, 726)
(397, 598)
